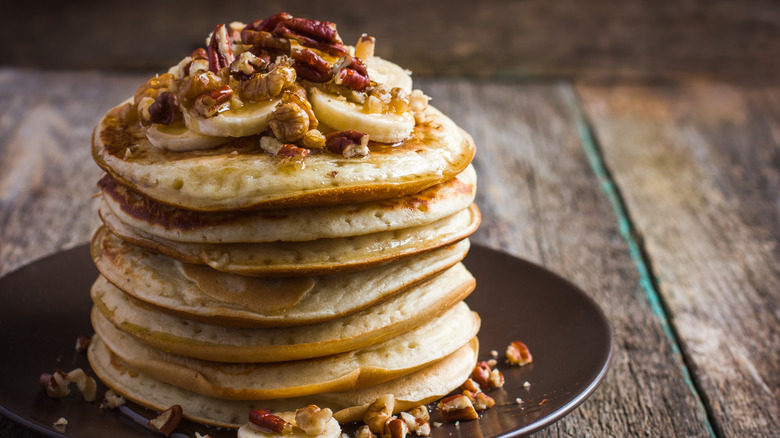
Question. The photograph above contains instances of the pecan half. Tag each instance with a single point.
(167, 421)
(320, 35)
(263, 86)
(267, 24)
(165, 109)
(266, 44)
(289, 122)
(350, 72)
(264, 421)
(517, 353)
(347, 143)
(220, 54)
(311, 66)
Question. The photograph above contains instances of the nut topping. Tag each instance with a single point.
(347, 143)
(165, 109)
(210, 103)
(480, 400)
(379, 412)
(312, 419)
(82, 342)
(264, 421)
(167, 421)
(263, 86)
(196, 85)
(457, 408)
(517, 353)
(351, 73)
(364, 432)
(311, 66)
(111, 400)
(289, 122)
(395, 428)
(219, 51)
(320, 35)
(365, 47)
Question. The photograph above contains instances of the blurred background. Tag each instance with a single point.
(596, 39)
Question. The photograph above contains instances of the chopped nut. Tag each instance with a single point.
(264, 421)
(526, 384)
(418, 102)
(350, 72)
(165, 109)
(312, 419)
(496, 379)
(420, 412)
(246, 65)
(219, 52)
(492, 362)
(364, 432)
(349, 144)
(289, 122)
(493, 354)
(111, 400)
(198, 435)
(290, 150)
(55, 385)
(517, 353)
(211, 103)
(82, 342)
(85, 384)
(310, 66)
(155, 86)
(197, 84)
(424, 429)
(519, 401)
(395, 428)
(457, 408)
(471, 385)
(379, 412)
(270, 144)
(480, 400)
(264, 86)
(60, 424)
(365, 47)
(320, 35)
(481, 374)
(313, 139)
(167, 421)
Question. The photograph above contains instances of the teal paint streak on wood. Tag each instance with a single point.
(609, 188)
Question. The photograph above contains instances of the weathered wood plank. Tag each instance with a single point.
(540, 200)
(698, 164)
(598, 38)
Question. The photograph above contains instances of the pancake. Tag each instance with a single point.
(229, 344)
(239, 175)
(316, 257)
(420, 387)
(371, 365)
(203, 294)
(290, 224)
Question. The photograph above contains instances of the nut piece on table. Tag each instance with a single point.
(471, 385)
(264, 421)
(364, 432)
(480, 400)
(517, 353)
(82, 342)
(395, 428)
(379, 412)
(349, 144)
(417, 424)
(496, 379)
(457, 408)
(55, 385)
(86, 384)
(111, 400)
(167, 421)
(481, 375)
(60, 424)
(312, 419)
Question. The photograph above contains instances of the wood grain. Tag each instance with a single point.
(698, 164)
(520, 39)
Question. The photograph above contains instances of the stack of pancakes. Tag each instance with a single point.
(233, 280)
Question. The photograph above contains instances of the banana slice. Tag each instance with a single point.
(385, 72)
(179, 138)
(340, 114)
(248, 120)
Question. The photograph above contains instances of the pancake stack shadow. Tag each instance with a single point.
(333, 298)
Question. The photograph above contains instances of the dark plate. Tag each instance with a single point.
(45, 307)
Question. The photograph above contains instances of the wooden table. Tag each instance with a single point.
(661, 201)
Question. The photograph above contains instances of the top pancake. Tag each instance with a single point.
(239, 175)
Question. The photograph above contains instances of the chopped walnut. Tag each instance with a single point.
(165, 109)
(379, 412)
(155, 86)
(313, 139)
(82, 342)
(289, 122)
(246, 65)
(312, 419)
(349, 144)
